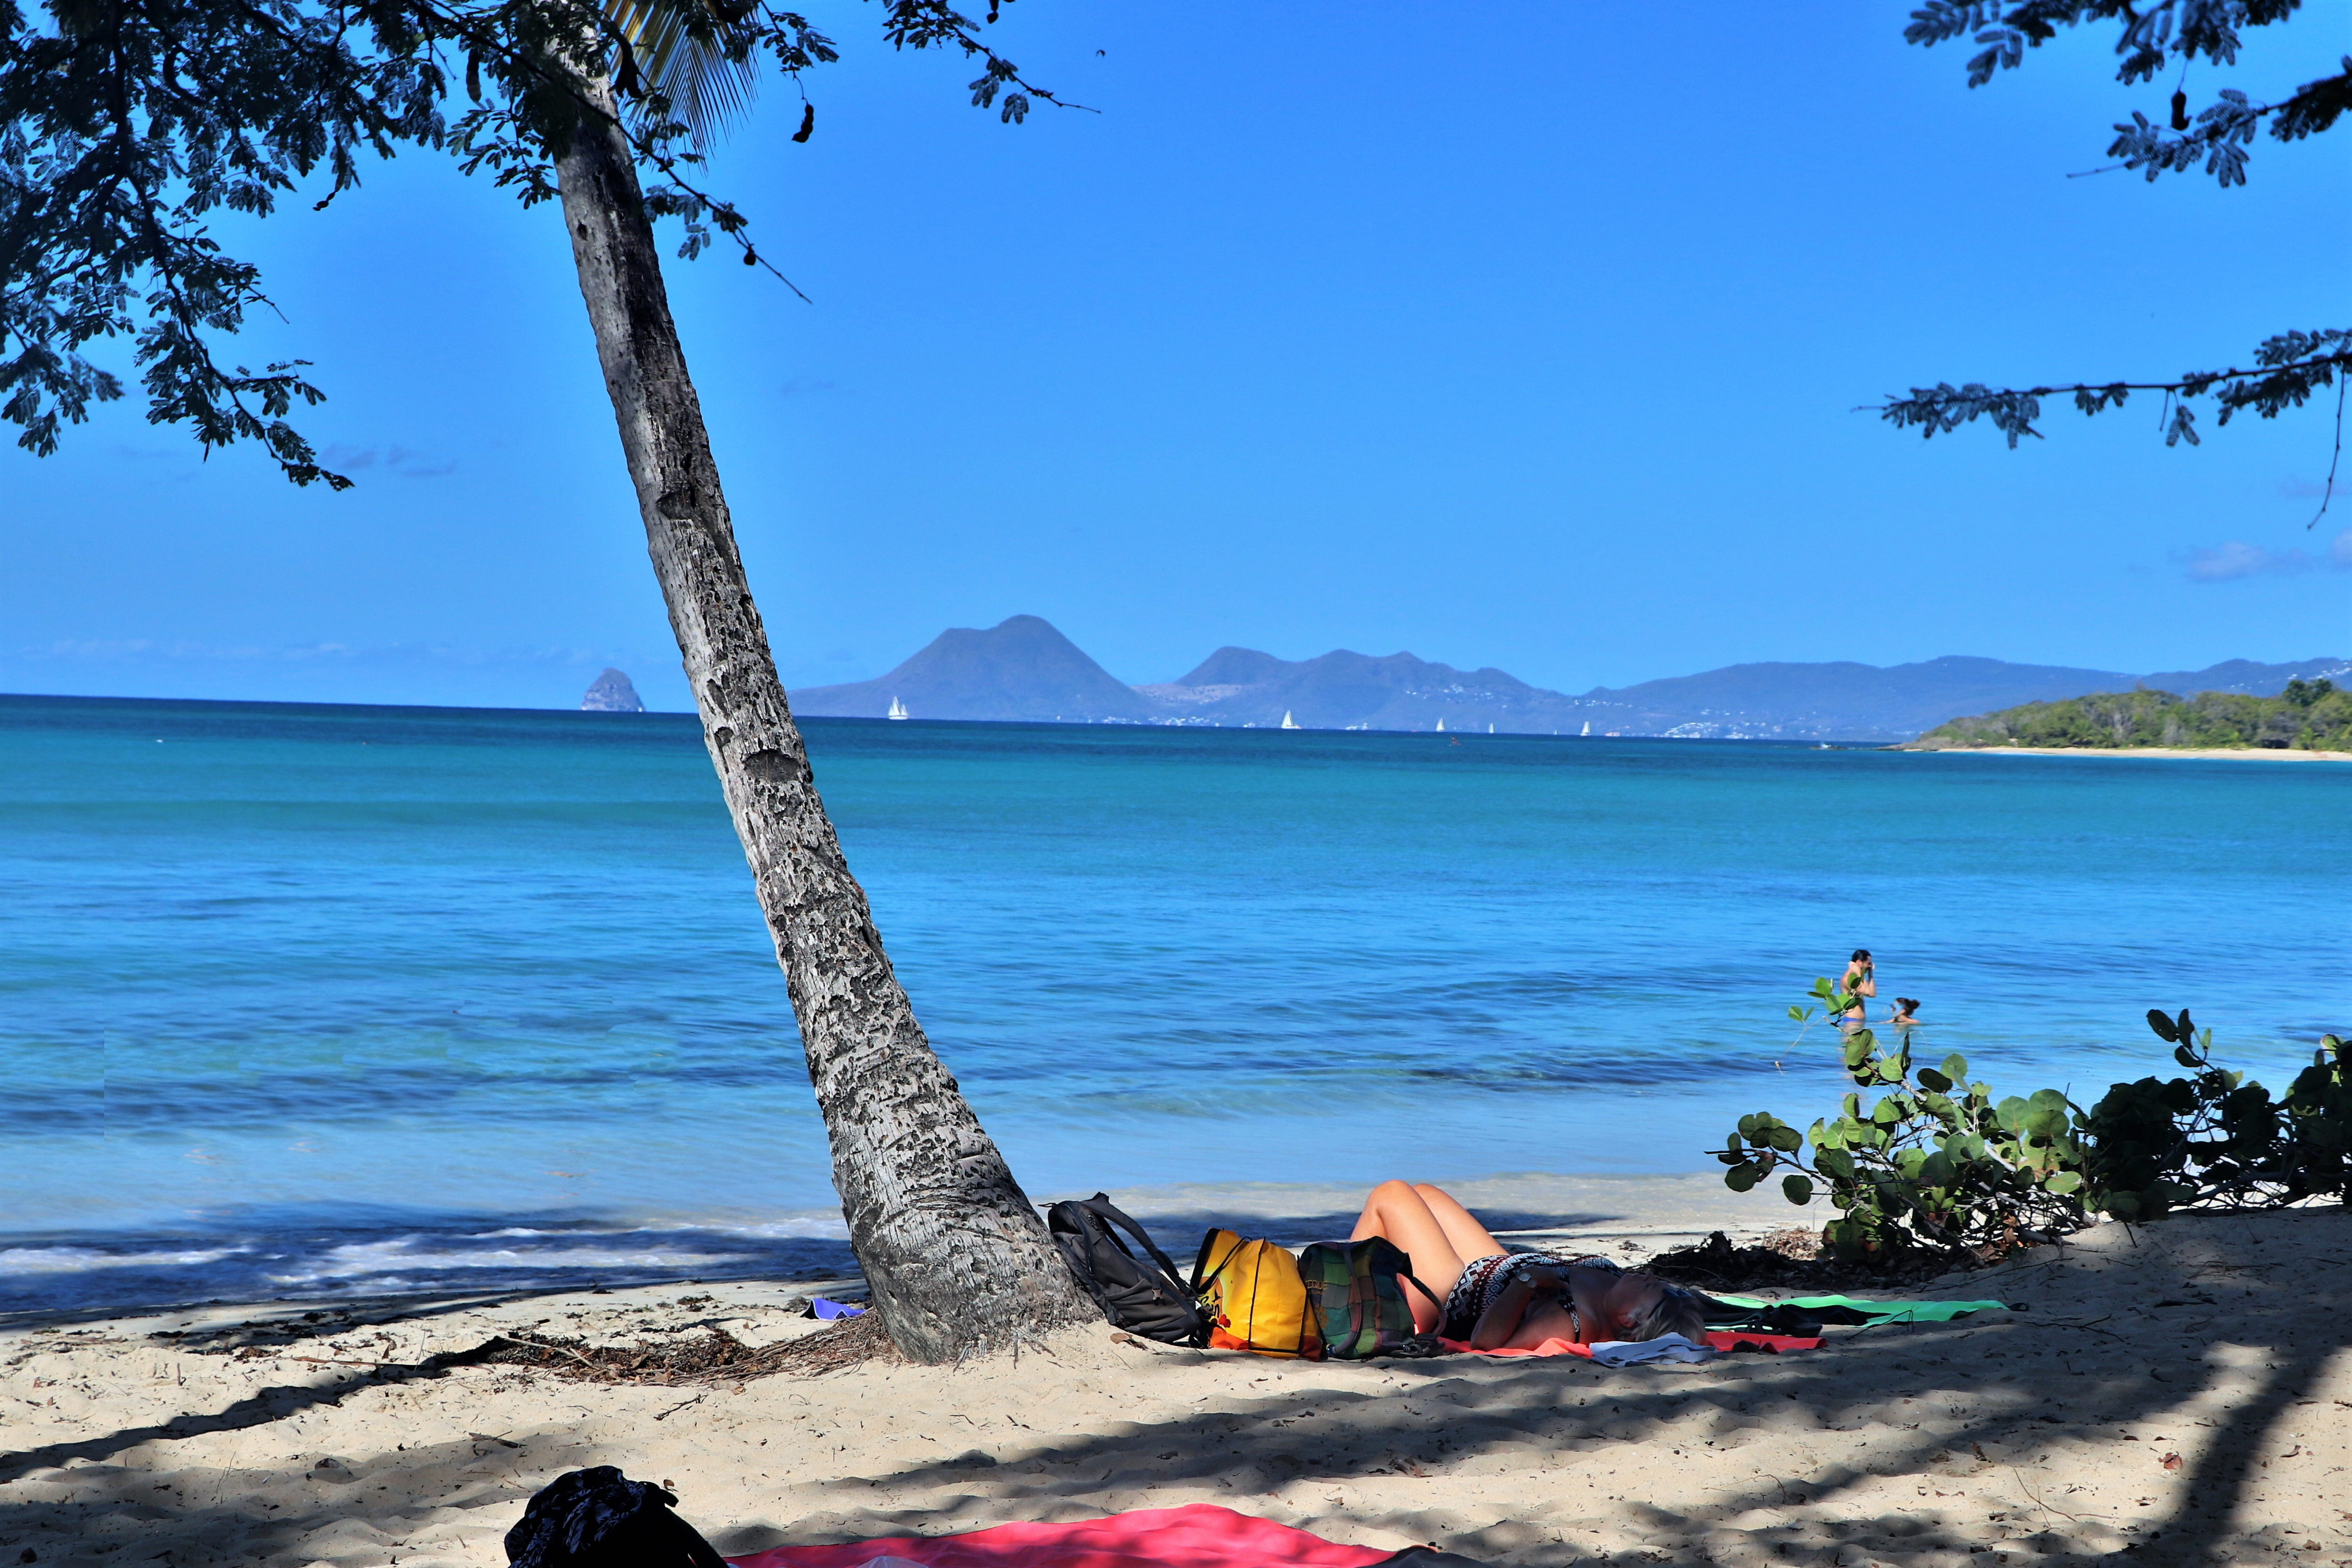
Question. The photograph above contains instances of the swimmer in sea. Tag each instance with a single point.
(1861, 983)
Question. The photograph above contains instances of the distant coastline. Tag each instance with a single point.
(2309, 718)
(2194, 754)
(1024, 670)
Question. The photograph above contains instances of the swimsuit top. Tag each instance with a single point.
(1483, 1278)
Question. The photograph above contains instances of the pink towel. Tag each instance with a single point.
(1771, 1344)
(1200, 1535)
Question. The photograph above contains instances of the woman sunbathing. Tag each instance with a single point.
(1504, 1300)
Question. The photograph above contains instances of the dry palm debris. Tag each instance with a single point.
(712, 1356)
(1787, 1259)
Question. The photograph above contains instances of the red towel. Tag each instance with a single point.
(1770, 1344)
(1200, 1535)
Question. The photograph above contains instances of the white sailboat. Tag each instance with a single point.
(1441, 726)
(1490, 728)
(1587, 726)
(897, 710)
(1287, 722)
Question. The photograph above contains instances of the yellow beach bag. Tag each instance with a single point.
(1254, 1298)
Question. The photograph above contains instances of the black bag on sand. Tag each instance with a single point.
(1428, 1557)
(599, 1519)
(1141, 1299)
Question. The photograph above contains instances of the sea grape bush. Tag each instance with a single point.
(2215, 1141)
(1935, 1161)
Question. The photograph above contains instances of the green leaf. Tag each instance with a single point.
(1787, 1139)
(1956, 1067)
(1740, 1178)
(1929, 1077)
(1798, 1189)
(2065, 1182)
(1835, 1162)
(1749, 1123)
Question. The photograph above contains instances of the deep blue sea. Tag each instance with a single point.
(309, 1000)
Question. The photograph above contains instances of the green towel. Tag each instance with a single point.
(1874, 1311)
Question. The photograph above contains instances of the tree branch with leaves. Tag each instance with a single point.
(2151, 36)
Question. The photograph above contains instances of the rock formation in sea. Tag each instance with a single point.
(611, 694)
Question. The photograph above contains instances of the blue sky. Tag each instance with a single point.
(1517, 334)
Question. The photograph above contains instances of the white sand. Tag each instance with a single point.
(2202, 754)
(2180, 1393)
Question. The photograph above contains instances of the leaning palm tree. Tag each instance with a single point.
(951, 1247)
(122, 125)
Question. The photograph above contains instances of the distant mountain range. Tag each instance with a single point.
(1025, 670)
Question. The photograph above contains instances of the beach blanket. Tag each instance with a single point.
(1846, 1309)
(1199, 1535)
(1669, 1347)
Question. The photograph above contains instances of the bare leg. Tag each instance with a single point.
(1397, 1211)
(1469, 1238)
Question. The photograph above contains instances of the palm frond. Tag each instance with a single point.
(705, 69)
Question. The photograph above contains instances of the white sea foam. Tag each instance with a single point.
(374, 1257)
(812, 1224)
(80, 1260)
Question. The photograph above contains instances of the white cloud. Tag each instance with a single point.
(2240, 559)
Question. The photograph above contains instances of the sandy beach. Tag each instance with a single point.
(2165, 1393)
(2206, 753)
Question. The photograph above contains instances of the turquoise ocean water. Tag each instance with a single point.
(302, 1000)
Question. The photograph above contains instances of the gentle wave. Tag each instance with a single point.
(81, 1260)
(412, 1255)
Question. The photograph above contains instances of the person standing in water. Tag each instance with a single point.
(1861, 983)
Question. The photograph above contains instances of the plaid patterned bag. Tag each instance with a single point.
(1354, 1298)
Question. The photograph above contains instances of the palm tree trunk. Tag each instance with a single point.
(957, 1258)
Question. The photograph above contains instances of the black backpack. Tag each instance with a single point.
(599, 1519)
(1143, 1300)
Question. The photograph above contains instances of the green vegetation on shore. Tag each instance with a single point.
(2308, 716)
(1936, 1164)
